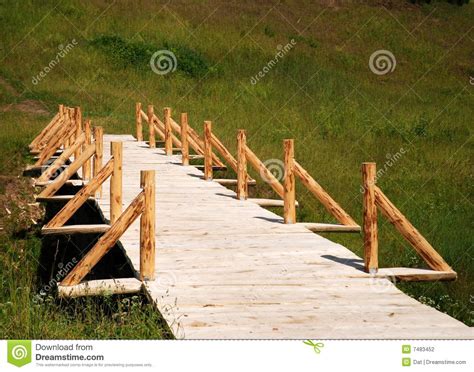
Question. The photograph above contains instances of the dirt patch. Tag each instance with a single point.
(30, 106)
(18, 209)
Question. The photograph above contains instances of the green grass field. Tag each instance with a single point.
(321, 92)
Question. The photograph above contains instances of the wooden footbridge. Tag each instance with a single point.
(215, 262)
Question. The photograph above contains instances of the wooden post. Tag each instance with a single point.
(242, 186)
(78, 121)
(147, 227)
(99, 153)
(168, 133)
(86, 169)
(151, 126)
(289, 211)
(432, 258)
(184, 139)
(370, 219)
(138, 121)
(116, 183)
(208, 150)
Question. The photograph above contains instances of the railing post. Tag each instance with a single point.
(289, 211)
(147, 226)
(151, 127)
(99, 153)
(370, 218)
(242, 177)
(116, 182)
(86, 168)
(78, 121)
(208, 150)
(184, 139)
(138, 121)
(168, 139)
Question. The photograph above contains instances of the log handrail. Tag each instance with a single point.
(33, 144)
(265, 174)
(142, 205)
(61, 160)
(81, 196)
(58, 182)
(373, 198)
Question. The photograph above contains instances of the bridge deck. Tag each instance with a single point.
(230, 269)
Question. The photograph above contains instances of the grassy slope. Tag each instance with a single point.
(321, 93)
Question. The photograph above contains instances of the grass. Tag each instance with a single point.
(321, 93)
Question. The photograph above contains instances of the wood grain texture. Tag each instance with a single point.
(265, 174)
(168, 133)
(147, 226)
(371, 244)
(99, 153)
(104, 287)
(208, 151)
(289, 184)
(184, 139)
(138, 121)
(151, 128)
(116, 181)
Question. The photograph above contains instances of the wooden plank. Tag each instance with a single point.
(103, 287)
(78, 183)
(269, 202)
(58, 198)
(328, 227)
(415, 275)
(75, 229)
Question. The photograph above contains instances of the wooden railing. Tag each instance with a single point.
(67, 133)
(373, 198)
(144, 205)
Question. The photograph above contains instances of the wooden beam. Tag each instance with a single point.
(242, 175)
(99, 153)
(58, 198)
(371, 245)
(151, 140)
(408, 274)
(232, 182)
(55, 127)
(61, 160)
(86, 169)
(265, 174)
(106, 242)
(116, 150)
(432, 258)
(329, 227)
(76, 183)
(75, 229)
(147, 227)
(326, 200)
(52, 188)
(269, 202)
(184, 139)
(78, 129)
(138, 121)
(207, 150)
(224, 152)
(168, 133)
(289, 184)
(80, 198)
(102, 287)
